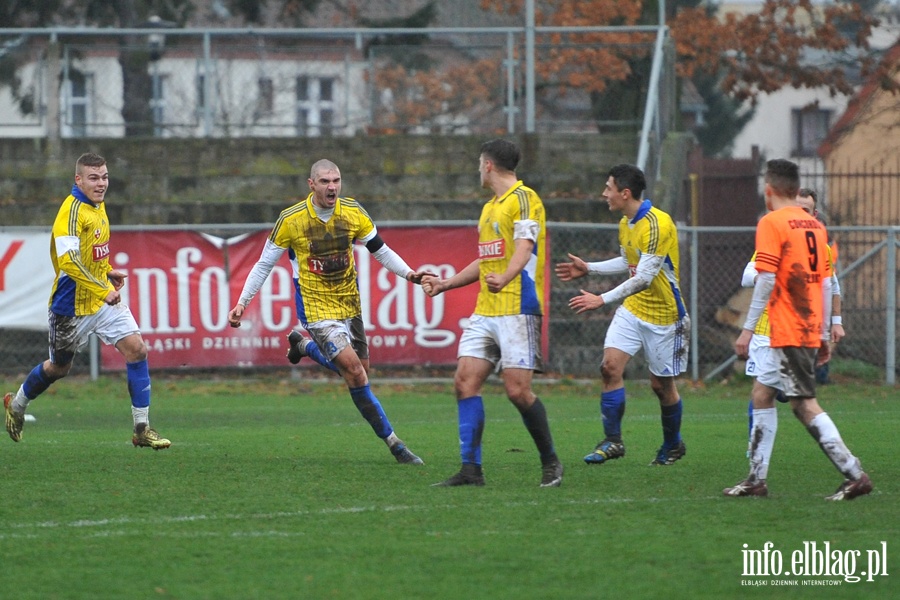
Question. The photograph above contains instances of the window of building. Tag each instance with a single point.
(79, 91)
(809, 126)
(265, 99)
(201, 92)
(315, 106)
(158, 101)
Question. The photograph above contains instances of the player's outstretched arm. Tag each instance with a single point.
(574, 269)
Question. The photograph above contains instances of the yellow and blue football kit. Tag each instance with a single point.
(652, 231)
(524, 295)
(79, 250)
(322, 257)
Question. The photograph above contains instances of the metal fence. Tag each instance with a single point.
(82, 82)
(712, 260)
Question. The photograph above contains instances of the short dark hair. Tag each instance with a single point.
(809, 193)
(89, 159)
(503, 153)
(784, 177)
(629, 177)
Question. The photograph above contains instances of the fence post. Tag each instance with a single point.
(890, 356)
(695, 336)
(94, 353)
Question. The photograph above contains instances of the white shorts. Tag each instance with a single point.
(665, 346)
(69, 334)
(763, 362)
(508, 342)
(332, 336)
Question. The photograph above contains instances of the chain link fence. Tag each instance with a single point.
(712, 260)
(330, 82)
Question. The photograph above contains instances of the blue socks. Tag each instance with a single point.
(314, 352)
(471, 427)
(612, 408)
(671, 425)
(36, 383)
(139, 383)
(370, 408)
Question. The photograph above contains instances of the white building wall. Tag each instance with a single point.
(772, 128)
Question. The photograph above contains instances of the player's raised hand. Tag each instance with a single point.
(567, 271)
(235, 314)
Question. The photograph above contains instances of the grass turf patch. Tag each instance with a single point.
(276, 488)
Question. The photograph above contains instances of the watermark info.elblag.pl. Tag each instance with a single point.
(812, 564)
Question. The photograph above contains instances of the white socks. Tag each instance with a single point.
(762, 441)
(140, 415)
(823, 429)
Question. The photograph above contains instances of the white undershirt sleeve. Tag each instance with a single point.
(827, 292)
(647, 268)
(613, 266)
(260, 272)
(765, 283)
(748, 279)
(392, 261)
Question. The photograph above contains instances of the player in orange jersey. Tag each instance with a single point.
(792, 261)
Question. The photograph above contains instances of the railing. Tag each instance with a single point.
(712, 260)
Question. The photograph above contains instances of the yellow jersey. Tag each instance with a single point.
(321, 255)
(652, 231)
(79, 251)
(524, 295)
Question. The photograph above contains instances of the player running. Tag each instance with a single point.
(318, 234)
(85, 299)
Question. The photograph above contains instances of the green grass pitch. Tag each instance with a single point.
(275, 487)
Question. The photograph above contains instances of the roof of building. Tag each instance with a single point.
(857, 106)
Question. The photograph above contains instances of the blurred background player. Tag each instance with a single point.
(319, 233)
(792, 261)
(652, 316)
(85, 299)
(505, 330)
(809, 200)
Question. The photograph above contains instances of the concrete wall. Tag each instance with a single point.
(166, 181)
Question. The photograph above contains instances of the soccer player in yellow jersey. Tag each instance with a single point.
(652, 316)
(319, 233)
(505, 330)
(85, 299)
(792, 262)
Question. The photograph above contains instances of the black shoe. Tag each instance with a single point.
(405, 456)
(668, 457)
(469, 474)
(552, 474)
(296, 347)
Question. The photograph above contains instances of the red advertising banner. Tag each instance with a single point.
(181, 285)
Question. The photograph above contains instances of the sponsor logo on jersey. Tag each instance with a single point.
(97, 234)
(329, 263)
(101, 251)
(492, 249)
